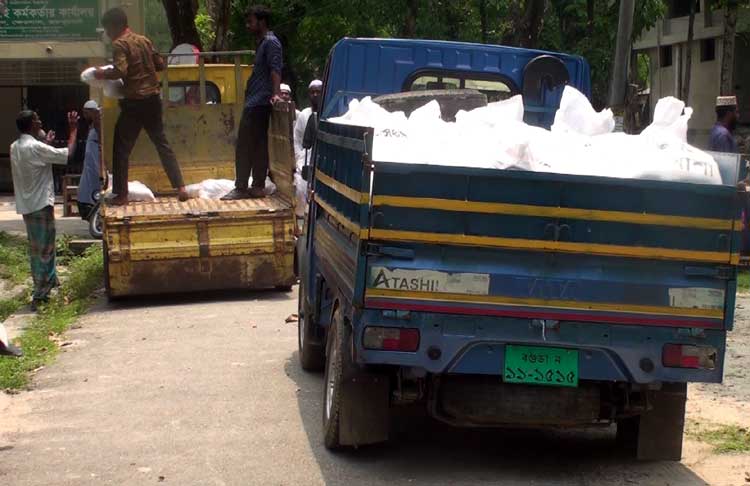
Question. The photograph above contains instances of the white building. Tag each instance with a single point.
(666, 46)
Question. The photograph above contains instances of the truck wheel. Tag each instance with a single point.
(450, 101)
(656, 435)
(311, 354)
(334, 376)
(356, 407)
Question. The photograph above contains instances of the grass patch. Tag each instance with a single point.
(724, 438)
(14, 259)
(39, 340)
(743, 280)
(14, 270)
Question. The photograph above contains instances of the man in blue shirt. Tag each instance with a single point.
(722, 138)
(262, 91)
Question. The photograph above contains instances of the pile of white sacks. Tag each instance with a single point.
(580, 141)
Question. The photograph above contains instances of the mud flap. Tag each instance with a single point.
(364, 415)
(660, 430)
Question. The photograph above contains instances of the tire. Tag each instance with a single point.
(450, 101)
(656, 435)
(311, 353)
(333, 382)
(96, 225)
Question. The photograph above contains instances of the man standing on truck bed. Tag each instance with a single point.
(31, 162)
(136, 63)
(262, 91)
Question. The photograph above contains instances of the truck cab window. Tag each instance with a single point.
(495, 89)
(188, 93)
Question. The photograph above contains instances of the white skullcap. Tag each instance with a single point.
(284, 88)
(726, 101)
(91, 105)
(315, 83)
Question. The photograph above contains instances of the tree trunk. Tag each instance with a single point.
(531, 24)
(483, 20)
(410, 22)
(181, 18)
(688, 54)
(220, 11)
(728, 46)
(623, 42)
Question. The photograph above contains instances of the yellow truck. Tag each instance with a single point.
(169, 246)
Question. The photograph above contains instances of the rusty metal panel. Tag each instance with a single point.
(202, 138)
(281, 150)
(216, 250)
(186, 275)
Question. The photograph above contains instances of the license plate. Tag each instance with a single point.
(541, 366)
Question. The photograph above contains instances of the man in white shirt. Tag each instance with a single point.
(31, 162)
(314, 93)
(301, 154)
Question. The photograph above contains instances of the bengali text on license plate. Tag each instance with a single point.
(541, 366)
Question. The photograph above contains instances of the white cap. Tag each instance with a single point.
(284, 88)
(91, 105)
(315, 83)
(726, 101)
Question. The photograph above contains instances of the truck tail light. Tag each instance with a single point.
(391, 339)
(688, 356)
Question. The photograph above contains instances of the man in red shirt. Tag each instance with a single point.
(136, 62)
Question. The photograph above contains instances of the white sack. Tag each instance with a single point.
(215, 189)
(210, 189)
(138, 192)
(576, 115)
(300, 190)
(112, 87)
(669, 120)
(580, 142)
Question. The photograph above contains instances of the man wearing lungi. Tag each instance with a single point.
(31, 162)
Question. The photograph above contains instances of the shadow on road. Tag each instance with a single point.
(167, 300)
(423, 451)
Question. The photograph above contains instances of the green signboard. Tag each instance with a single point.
(49, 19)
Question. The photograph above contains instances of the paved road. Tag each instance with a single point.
(207, 391)
(12, 222)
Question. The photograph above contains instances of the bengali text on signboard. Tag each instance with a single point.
(49, 19)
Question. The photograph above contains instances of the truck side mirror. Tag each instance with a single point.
(305, 173)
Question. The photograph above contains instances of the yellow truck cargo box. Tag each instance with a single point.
(169, 246)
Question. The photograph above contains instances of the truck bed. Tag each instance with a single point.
(200, 244)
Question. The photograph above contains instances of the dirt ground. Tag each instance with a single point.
(726, 404)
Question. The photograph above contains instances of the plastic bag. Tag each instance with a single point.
(300, 191)
(210, 189)
(113, 88)
(139, 192)
(669, 120)
(576, 115)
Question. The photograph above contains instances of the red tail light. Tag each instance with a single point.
(688, 356)
(391, 339)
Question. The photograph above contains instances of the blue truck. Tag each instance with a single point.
(504, 298)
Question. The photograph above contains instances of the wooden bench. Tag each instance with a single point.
(70, 194)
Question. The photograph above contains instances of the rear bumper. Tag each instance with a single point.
(476, 345)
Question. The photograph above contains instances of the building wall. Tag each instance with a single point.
(52, 49)
(705, 75)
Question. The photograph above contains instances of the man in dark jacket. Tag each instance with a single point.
(262, 91)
